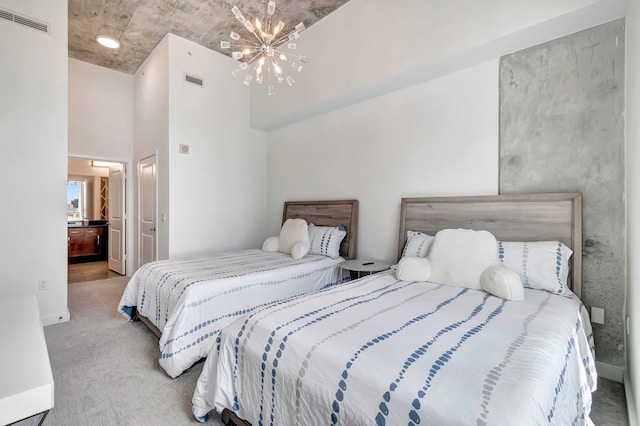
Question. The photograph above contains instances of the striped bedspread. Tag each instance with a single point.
(190, 300)
(378, 351)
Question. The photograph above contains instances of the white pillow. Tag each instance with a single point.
(542, 265)
(502, 282)
(292, 231)
(413, 269)
(300, 249)
(459, 256)
(417, 245)
(326, 240)
(270, 244)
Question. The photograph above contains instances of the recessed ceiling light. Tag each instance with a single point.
(108, 41)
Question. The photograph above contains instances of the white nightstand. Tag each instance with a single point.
(364, 266)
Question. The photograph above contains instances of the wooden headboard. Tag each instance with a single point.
(328, 213)
(527, 217)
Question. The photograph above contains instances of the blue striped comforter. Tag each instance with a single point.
(190, 300)
(378, 351)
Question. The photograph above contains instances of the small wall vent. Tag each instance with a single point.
(194, 80)
(7, 15)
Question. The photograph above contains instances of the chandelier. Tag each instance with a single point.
(261, 56)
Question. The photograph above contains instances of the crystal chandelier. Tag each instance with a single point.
(262, 56)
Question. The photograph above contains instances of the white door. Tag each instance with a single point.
(147, 210)
(117, 216)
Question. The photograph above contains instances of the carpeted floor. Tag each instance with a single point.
(105, 368)
(609, 404)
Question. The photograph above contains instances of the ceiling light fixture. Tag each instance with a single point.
(96, 163)
(264, 55)
(108, 41)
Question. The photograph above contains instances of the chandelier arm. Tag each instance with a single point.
(253, 70)
(288, 55)
(267, 24)
(276, 65)
(250, 44)
(269, 74)
(260, 39)
(279, 43)
(255, 47)
(281, 40)
(284, 38)
(253, 59)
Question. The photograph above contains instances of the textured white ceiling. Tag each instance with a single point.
(141, 24)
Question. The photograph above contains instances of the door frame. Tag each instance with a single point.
(127, 202)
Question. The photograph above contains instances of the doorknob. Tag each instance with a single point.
(153, 229)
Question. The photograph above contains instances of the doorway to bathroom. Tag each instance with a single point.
(96, 219)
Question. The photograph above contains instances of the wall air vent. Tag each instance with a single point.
(194, 80)
(7, 15)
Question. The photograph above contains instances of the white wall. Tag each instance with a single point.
(101, 125)
(436, 138)
(632, 379)
(100, 112)
(33, 124)
(397, 83)
(214, 198)
(370, 47)
(151, 134)
(218, 190)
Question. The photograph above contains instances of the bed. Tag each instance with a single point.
(185, 302)
(386, 352)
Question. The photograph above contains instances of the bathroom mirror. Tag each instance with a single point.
(87, 192)
(76, 196)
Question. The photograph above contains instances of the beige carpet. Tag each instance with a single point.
(105, 368)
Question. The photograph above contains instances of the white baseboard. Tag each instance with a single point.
(631, 406)
(610, 372)
(56, 319)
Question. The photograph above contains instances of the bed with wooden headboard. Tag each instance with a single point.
(185, 302)
(380, 350)
(527, 217)
(328, 213)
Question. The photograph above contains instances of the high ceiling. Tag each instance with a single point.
(141, 24)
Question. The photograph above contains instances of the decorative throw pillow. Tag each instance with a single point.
(293, 239)
(542, 265)
(413, 269)
(300, 249)
(417, 245)
(459, 256)
(270, 244)
(326, 240)
(292, 231)
(503, 283)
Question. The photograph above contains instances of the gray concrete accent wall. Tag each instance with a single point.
(562, 129)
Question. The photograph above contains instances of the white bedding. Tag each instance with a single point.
(382, 351)
(190, 300)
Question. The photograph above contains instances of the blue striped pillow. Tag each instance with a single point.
(417, 245)
(326, 240)
(542, 265)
